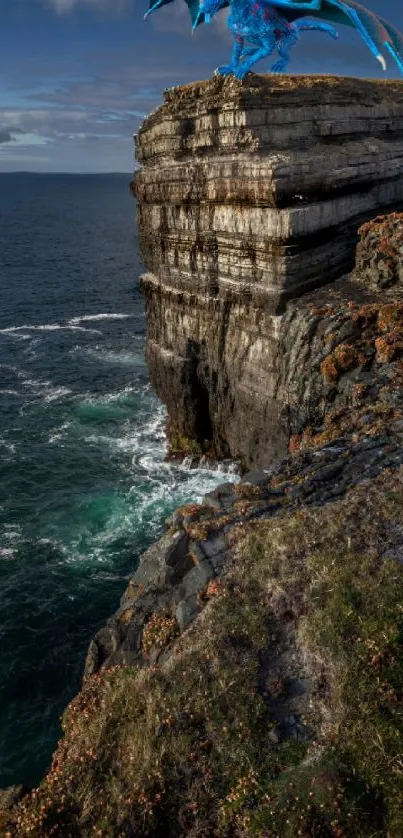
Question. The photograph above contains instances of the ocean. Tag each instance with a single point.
(84, 484)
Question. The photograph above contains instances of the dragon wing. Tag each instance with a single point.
(193, 6)
(378, 34)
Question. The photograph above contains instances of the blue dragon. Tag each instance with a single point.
(262, 27)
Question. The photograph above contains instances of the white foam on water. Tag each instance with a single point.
(59, 433)
(35, 382)
(50, 392)
(130, 513)
(7, 552)
(10, 537)
(87, 399)
(82, 329)
(146, 444)
(56, 394)
(11, 531)
(14, 331)
(16, 335)
(107, 356)
(103, 316)
(9, 447)
(144, 436)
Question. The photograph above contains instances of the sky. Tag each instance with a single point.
(77, 77)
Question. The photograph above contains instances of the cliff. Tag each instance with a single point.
(345, 400)
(251, 194)
(250, 683)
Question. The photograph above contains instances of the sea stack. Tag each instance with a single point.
(250, 194)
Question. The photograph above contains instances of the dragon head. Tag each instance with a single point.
(207, 9)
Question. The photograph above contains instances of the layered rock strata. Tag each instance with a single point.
(258, 617)
(250, 194)
(344, 381)
(260, 638)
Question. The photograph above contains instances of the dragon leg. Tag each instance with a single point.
(267, 45)
(248, 51)
(283, 46)
(227, 69)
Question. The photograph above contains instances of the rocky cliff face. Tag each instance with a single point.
(251, 194)
(343, 380)
(250, 684)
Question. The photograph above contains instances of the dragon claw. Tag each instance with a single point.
(279, 67)
(224, 70)
(241, 72)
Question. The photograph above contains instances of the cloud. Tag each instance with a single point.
(7, 135)
(65, 6)
(73, 99)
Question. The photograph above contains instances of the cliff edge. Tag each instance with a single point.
(250, 683)
(249, 195)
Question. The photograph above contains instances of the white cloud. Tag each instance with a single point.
(65, 6)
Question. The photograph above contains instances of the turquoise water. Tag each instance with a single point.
(84, 486)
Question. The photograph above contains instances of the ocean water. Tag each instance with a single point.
(84, 486)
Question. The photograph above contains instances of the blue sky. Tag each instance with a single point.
(78, 76)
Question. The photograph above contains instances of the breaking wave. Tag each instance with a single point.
(17, 331)
(90, 317)
(85, 486)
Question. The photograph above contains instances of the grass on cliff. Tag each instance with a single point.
(184, 748)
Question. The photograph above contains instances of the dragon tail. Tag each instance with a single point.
(381, 37)
(304, 25)
(373, 30)
(395, 43)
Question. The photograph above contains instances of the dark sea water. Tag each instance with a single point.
(84, 487)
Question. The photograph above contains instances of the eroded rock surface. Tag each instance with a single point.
(343, 377)
(251, 681)
(276, 709)
(251, 194)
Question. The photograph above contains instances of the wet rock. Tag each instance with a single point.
(256, 477)
(186, 612)
(221, 498)
(194, 581)
(177, 558)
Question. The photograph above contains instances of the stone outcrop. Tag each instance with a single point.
(177, 584)
(338, 495)
(379, 259)
(250, 194)
(344, 381)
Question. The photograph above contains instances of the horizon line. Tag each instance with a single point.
(31, 172)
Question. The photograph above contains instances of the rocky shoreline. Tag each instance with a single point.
(344, 424)
(250, 683)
